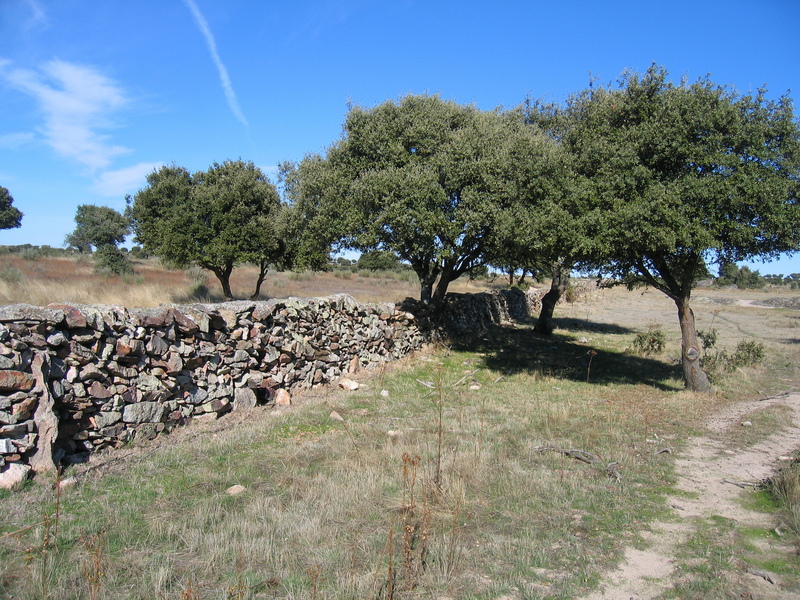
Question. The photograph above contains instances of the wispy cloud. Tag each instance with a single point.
(225, 80)
(15, 140)
(37, 14)
(123, 181)
(77, 103)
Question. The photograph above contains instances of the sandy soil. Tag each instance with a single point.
(706, 470)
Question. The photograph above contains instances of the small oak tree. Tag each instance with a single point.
(101, 228)
(215, 219)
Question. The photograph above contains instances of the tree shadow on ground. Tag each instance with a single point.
(517, 349)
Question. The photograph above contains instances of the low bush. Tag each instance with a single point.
(651, 341)
(11, 274)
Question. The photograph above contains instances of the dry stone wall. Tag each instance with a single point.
(76, 379)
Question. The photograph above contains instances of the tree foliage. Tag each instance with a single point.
(10, 216)
(681, 175)
(377, 260)
(101, 228)
(424, 178)
(216, 218)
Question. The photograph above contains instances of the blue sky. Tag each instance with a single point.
(94, 95)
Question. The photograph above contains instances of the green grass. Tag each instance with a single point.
(497, 510)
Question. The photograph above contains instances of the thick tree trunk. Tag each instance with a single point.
(224, 277)
(558, 286)
(426, 289)
(693, 375)
(439, 293)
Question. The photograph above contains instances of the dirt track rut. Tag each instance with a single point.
(705, 471)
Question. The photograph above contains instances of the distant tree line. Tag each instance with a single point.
(641, 181)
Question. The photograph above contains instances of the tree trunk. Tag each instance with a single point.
(558, 286)
(426, 289)
(223, 275)
(693, 375)
(445, 278)
(262, 273)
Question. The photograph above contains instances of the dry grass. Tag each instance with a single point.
(67, 279)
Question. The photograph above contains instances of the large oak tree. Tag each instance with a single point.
(424, 178)
(683, 175)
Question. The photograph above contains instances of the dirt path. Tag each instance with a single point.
(705, 469)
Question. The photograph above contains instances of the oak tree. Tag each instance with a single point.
(215, 219)
(684, 175)
(424, 178)
(101, 228)
(10, 216)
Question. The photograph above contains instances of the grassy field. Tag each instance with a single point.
(512, 466)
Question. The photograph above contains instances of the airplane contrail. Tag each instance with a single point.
(225, 80)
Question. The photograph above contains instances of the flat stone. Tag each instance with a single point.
(26, 406)
(16, 380)
(27, 312)
(234, 490)
(143, 412)
(348, 384)
(72, 315)
(106, 418)
(98, 390)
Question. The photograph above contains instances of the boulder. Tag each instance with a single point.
(244, 398)
(14, 475)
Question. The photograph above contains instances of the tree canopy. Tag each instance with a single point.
(216, 218)
(102, 228)
(424, 178)
(10, 216)
(681, 175)
(97, 226)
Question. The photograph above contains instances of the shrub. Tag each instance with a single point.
(30, 254)
(199, 292)
(11, 274)
(651, 341)
(748, 353)
(111, 260)
(785, 488)
(708, 339)
(301, 276)
(377, 260)
(197, 275)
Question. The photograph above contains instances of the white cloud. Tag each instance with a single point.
(225, 80)
(77, 103)
(124, 181)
